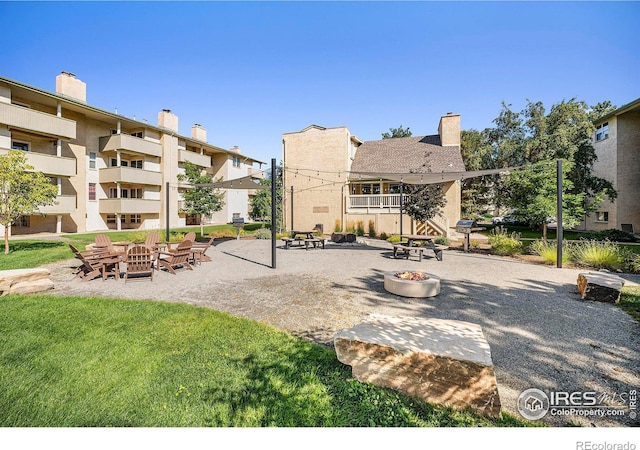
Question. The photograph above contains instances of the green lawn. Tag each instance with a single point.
(26, 254)
(630, 301)
(78, 362)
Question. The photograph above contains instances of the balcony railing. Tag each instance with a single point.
(66, 205)
(374, 201)
(128, 206)
(49, 164)
(37, 121)
(130, 175)
(194, 158)
(130, 144)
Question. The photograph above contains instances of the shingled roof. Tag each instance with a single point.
(420, 154)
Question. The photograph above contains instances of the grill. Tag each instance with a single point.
(238, 222)
(466, 227)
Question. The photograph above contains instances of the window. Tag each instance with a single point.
(22, 221)
(135, 218)
(137, 134)
(236, 215)
(137, 163)
(602, 131)
(135, 193)
(92, 160)
(394, 189)
(124, 163)
(236, 161)
(92, 191)
(111, 218)
(113, 131)
(124, 193)
(113, 162)
(113, 192)
(19, 145)
(602, 216)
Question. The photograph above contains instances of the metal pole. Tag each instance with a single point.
(401, 190)
(274, 213)
(559, 214)
(166, 210)
(291, 208)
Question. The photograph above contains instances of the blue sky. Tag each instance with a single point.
(249, 72)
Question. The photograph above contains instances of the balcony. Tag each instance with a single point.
(49, 164)
(130, 175)
(194, 158)
(66, 205)
(38, 122)
(128, 206)
(374, 203)
(130, 144)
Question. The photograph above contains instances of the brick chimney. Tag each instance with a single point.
(166, 119)
(198, 133)
(235, 149)
(67, 84)
(449, 129)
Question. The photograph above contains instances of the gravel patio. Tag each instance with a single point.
(541, 334)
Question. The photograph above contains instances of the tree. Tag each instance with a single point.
(476, 192)
(397, 133)
(201, 200)
(22, 191)
(261, 202)
(423, 201)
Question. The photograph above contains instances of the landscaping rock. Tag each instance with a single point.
(23, 281)
(439, 361)
(600, 287)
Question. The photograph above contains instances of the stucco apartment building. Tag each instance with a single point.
(337, 178)
(617, 144)
(111, 170)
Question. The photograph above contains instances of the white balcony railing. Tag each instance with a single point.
(374, 201)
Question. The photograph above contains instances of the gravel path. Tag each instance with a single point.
(541, 334)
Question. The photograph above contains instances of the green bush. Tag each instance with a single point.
(372, 229)
(384, 236)
(257, 226)
(337, 228)
(474, 243)
(394, 238)
(442, 240)
(598, 254)
(548, 251)
(608, 235)
(263, 233)
(351, 227)
(634, 263)
(505, 243)
(360, 228)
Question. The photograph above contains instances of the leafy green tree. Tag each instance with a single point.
(423, 201)
(22, 191)
(260, 207)
(200, 200)
(477, 192)
(399, 132)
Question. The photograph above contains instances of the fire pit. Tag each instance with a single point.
(412, 284)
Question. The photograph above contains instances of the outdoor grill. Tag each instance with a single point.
(466, 227)
(238, 222)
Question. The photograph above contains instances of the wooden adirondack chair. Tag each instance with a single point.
(178, 257)
(92, 263)
(152, 243)
(139, 262)
(104, 242)
(201, 248)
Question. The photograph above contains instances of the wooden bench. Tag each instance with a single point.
(316, 242)
(437, 250)
(288, 242)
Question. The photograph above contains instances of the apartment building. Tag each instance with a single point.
(332, 177)
(617, 144)
(112, 171)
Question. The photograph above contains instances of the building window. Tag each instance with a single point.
(137, 134)
(124, 163)
(113, 162)
(20, 145)
(113, 192)
(124, 193)
(92, 160)
(236, 161)
(394, 189)
(92, 191)
(135, 218)
(111, 218)
(137, 163)
(602, 131)
(22, 221)
(602, 216)
(113, 131)
(135, 193)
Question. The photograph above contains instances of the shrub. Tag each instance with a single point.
(384, 236)
(609, 235)
(176, 237)
(372, 228)
(337, 228)
(504, 243)
(263, 233)
(222, 233)
(394, 238)
(548, 251)
(474, 243)
(598, 254)
(634, 263)
(442, 240)
(351, 227)
(360, 228)
(256, 226)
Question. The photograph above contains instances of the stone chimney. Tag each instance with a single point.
(449, 129)
(199, 133)
(67, 84)
(166, 119)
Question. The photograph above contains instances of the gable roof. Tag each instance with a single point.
(421, 154)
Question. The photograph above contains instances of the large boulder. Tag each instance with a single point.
(440, 361)
(24, 281)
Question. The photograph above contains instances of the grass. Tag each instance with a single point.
(630, 301)
(95, 362)
(27, 254)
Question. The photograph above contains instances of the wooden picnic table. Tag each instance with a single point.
(412, 240)
(303, 237)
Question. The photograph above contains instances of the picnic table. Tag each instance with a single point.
(306, 237)
(412, 245)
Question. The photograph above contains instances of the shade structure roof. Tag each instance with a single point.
(248, 182)
(426, 178)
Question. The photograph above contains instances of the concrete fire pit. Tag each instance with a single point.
(411, 283)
